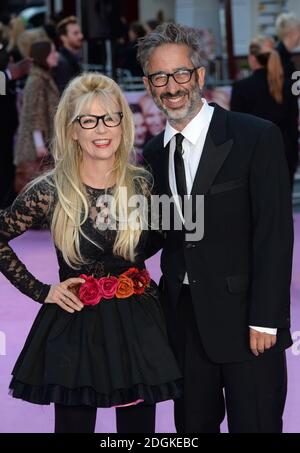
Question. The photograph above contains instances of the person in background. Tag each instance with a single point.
(288, 34)
(266, 94)
(121, 42)
(69, 63)
(4, 28)
(269, 42)
(140, 131)
(11, 72)
(28, 37)
(128, 59)
(154, 118)
(16, 28)
(40, 100)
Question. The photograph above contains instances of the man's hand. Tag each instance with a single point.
(20, 69)
(260, 341)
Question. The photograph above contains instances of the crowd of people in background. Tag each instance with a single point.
(36, 74)
(267, 92)
(38, 64)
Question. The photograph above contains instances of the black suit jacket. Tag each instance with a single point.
(240, 271)
(251, 95)
(68, 67)
(8, 108)
(286, 60)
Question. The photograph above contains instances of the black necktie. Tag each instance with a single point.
(179, 169)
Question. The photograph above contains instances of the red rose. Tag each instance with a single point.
(140, 278)
(108, 286)
(90, 292)
(125, 287)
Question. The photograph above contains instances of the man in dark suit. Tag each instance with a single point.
(226, 297)
(69, 63)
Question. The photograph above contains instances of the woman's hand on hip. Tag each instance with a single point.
(61, 295)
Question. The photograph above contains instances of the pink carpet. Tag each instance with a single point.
(17, 313)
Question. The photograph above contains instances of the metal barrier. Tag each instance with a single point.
(124, 78)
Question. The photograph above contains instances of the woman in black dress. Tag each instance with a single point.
(99, 339)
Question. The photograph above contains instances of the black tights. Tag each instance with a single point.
(82, 419)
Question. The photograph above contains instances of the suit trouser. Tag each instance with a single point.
(254, 390)
(82, 419)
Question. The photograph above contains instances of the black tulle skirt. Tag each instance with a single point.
(113, 353)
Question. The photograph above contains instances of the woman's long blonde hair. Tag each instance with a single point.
(71, 209)
(270, 59)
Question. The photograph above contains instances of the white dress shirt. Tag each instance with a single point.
(194, 137)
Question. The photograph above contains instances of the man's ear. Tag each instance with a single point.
(201, 76)
(147, 85)
(252, 62)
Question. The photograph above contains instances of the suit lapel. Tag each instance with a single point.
(216, 148)
(166, 169)
(211, 161)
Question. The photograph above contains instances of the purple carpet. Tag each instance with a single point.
(17, 313)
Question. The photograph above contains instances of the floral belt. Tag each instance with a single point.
(133, 281)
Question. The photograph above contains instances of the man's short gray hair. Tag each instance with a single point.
(170, 33)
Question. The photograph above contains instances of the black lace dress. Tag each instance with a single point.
(112, 353)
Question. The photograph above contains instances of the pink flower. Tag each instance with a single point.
(89, 292)
(108, 286)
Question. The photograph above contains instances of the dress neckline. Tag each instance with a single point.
(97, 189)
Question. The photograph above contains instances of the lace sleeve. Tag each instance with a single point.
(31, 207)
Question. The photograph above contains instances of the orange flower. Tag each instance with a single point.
(125, 287)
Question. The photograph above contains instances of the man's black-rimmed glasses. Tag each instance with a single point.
(160, 79)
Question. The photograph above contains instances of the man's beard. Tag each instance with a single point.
(188, 111)
(77, 46)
